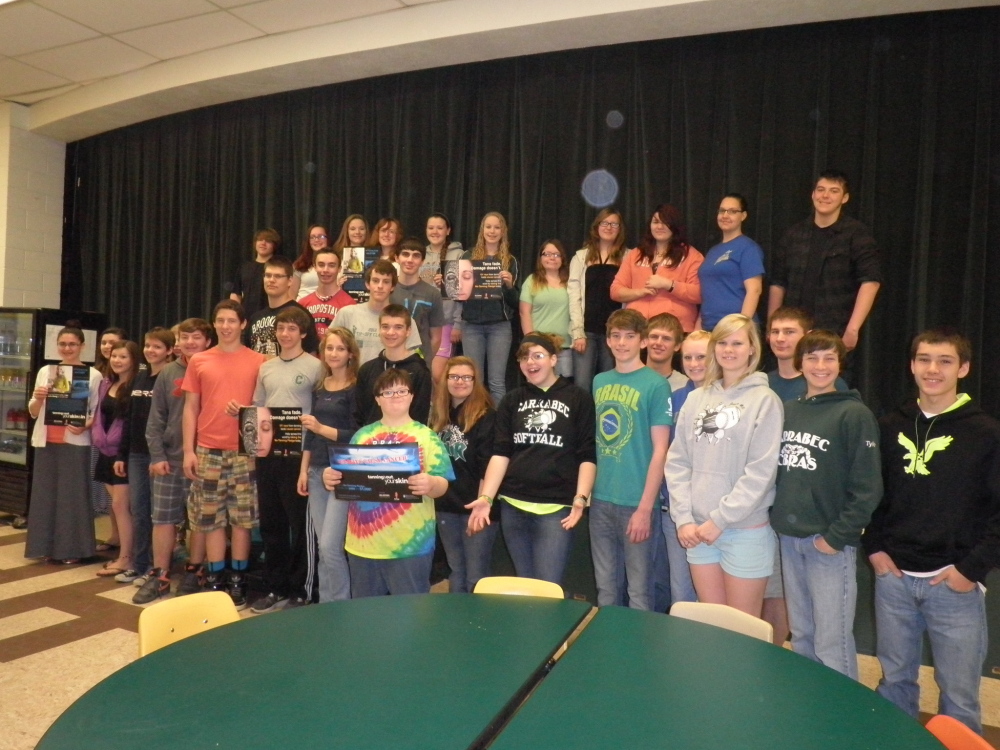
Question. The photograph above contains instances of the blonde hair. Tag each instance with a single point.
(353, 361)
(503, 252)
(725, 328)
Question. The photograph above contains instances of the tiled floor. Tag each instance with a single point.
(63, 629)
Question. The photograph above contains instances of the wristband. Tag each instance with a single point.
(487, 498)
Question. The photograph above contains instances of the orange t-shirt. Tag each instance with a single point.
(220, 377)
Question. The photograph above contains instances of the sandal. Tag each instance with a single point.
(112, 569)
(103, 546)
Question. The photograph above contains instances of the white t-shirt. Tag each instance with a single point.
(362, 321)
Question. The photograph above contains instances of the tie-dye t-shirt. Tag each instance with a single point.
(390, 531)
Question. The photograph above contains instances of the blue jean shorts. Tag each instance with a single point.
(743, 553)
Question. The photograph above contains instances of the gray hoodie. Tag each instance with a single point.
(724, 458)
(163, 429)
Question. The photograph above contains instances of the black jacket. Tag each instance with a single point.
(470, 454)
(368, 410)
(942, 491)
(546, 435)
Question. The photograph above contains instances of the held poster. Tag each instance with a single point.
(356, 260)
(375, 473)
(472, 279)
(69, 392)
(270, 431)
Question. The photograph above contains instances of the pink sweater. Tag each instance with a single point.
(682, 302)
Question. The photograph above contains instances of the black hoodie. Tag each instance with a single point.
(368, 410)
(942, 491)
(546, 435)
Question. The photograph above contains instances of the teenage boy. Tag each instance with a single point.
(390, 546)
(395, 326)
(328, 298)
(664, 336)
(828, 264)
(248, 286)
(829, 483)
(164, 436)
(363, 320)
(223, 484)
(936, 534)
(288, 380)
(259, 333)
(633, 432)
(420, 298)
(134, 451)
(785, 328)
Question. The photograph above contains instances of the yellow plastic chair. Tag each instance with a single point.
(954, 735)
(518, 587)
(174, 619)
(723, 616)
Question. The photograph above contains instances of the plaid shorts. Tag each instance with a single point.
(170, 496)
(225, 492)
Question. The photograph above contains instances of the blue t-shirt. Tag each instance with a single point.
(628, 406)
(726, 267)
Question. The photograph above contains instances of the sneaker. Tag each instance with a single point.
(192, 582)
(237, 589)
(127, 576)
(141, 580)
(216, 581)
(268, 603)
(151, 590)
(296, 601)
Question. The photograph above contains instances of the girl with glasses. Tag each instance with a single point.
(591, 273)
(543, 465)
(61, 521)
(661, 274)
(545, 300)
(732, 276)
(305, 280)
(464, 419)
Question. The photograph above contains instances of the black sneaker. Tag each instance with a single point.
(217, 581)
(268, 603)
(237, 589)
(192, 582)
(296, 601)
(151, 590)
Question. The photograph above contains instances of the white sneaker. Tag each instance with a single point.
(138, 582)
(127, 576)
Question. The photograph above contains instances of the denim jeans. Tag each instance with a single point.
(488, 345)
(672, 573)
(538, 545)
(469, 557)
(329, 519)
(406, 575)
(140, 503)
(621, 566)
(821, 593)
(597, 358)
(956, 624)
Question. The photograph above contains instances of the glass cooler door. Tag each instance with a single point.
(15, 385)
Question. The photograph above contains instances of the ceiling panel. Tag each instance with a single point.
(190, 35)
(18, 78)
(94, 58)
(112, 16)
(276, 16)
(26, 27)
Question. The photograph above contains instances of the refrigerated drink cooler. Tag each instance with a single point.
(27, 343)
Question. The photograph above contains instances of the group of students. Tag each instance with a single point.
(687, 476)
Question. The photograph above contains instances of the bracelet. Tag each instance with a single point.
(487, 498)
(584, 501)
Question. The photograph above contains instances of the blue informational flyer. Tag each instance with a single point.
(376, 473)
(69, 393)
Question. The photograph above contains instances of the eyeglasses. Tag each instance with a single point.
(461, 378)
(551, 255)
(536, 357)
(730, 211)
(69, 344)
(271, 276)
(609, 225)
(399, 392)
(317, 236)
